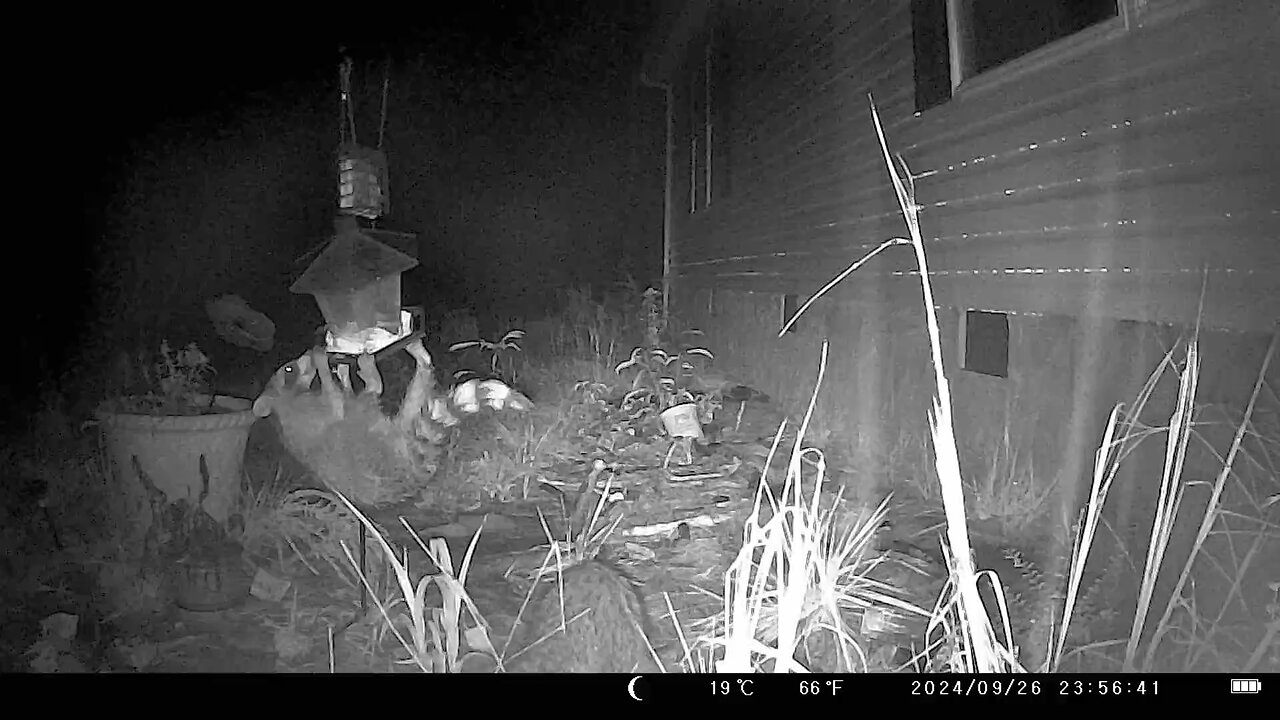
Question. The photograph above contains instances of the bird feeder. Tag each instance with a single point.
(362, 182)
(356, 282)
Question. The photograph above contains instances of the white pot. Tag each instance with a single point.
(169, 447)
(681, 421)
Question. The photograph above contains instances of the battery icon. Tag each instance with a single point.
(1245, 687)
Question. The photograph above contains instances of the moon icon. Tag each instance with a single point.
(631, 688)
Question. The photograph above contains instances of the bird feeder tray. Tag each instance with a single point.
(377, 341)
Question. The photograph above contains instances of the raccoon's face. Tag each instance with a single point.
(291, 379)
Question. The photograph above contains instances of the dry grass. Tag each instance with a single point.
(435, 639)
(1154, 624)
(802, 570)
(1008, 490)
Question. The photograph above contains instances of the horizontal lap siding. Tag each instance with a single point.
(1119, 183)
(799, 107)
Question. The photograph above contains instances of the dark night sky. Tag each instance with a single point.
(523, 150)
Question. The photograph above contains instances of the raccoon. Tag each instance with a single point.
(605, 626)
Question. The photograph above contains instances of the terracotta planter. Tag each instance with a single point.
(681, 421)
(168, 448)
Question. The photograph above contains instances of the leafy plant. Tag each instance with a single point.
(500, 353)
(663, 378)
(177, 382)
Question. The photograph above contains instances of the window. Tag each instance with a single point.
(990, 33)
(956, 40)
(932, 53)
(984, 343)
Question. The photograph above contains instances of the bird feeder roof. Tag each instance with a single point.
(351, 261)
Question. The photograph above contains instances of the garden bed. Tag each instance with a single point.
(582, 478)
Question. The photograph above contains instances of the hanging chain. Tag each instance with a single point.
(346, 112)
(342, 99)
(347, 119)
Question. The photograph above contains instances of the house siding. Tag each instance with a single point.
(1117, 182)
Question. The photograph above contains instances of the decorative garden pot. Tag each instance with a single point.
(681, 421)
(168, 448)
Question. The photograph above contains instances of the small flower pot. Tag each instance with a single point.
(210, 582)
(681, 421)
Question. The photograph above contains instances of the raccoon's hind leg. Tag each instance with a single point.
(369, 375)
(419, 392)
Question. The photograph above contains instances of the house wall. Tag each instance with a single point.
(1100, 183)
(1092, 197)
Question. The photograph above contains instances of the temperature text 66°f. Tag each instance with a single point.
(830, 688)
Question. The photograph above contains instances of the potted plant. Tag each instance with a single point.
(168, 421)
(662, 383)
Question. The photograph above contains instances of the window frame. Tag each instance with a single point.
(1133, 14)
(1049, 54)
